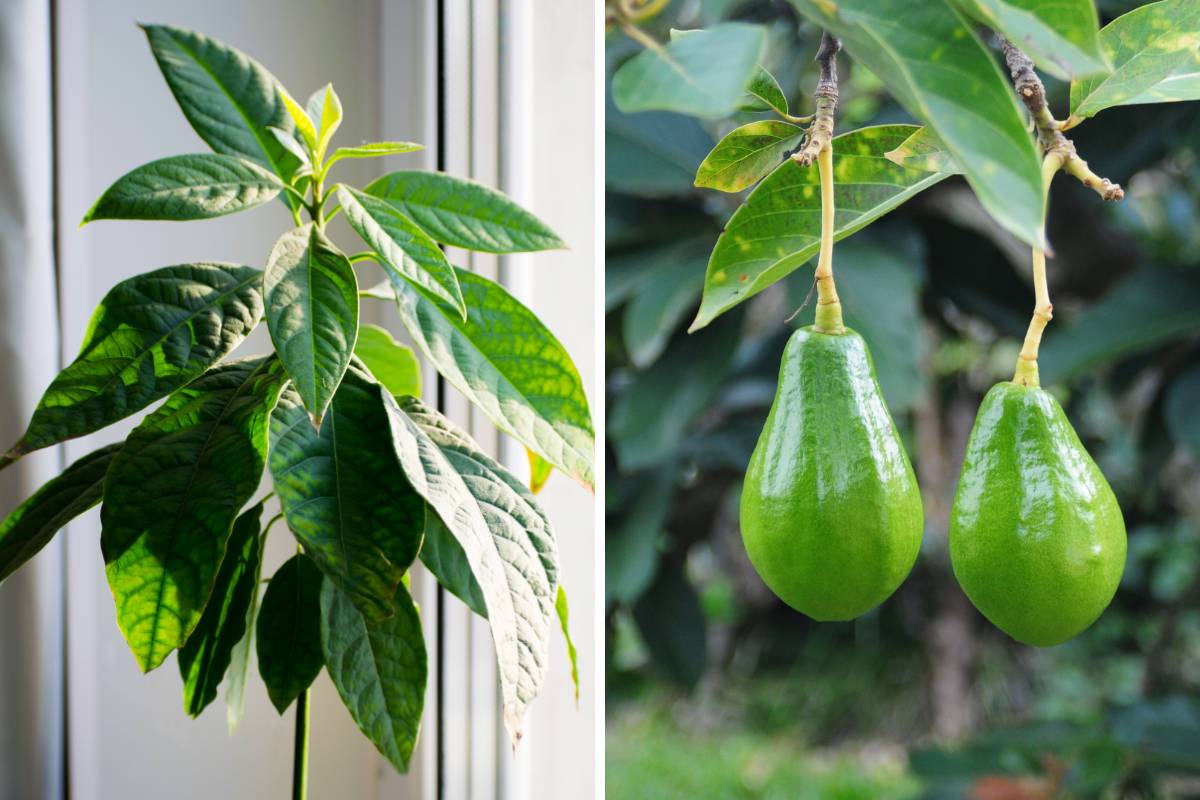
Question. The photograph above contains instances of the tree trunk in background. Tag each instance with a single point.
(950, 641)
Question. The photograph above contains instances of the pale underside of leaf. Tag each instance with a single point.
(504, 536)
(1061, 37)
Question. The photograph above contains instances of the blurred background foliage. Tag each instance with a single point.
(715, 688)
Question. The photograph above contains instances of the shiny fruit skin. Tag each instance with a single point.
(831, 514)
(1037, 540)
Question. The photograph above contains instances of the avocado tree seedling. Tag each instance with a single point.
(1037, 539)
(369, 478)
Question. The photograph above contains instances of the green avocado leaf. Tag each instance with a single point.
(171, 496)
(289, 631)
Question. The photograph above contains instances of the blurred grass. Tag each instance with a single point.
(649, 755)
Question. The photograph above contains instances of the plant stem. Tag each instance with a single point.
(639, 36)
(829, 308)
(1032, 92)
(820, 133)
(300, 755)
(1026, 373)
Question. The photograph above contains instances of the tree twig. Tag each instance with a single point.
(820, 133)
(1032, 92)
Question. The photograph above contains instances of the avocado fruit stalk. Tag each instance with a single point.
(831, 515)
(1037, 540)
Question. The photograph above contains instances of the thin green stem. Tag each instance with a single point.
(1026, 372)
(300, 754)
(829, 308)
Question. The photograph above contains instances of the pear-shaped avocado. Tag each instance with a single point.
(831, 514)
(1037, 540)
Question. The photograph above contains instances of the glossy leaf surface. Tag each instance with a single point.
(464, 213)
(509, 364)
(778, 228)
(748, 153)
(402, 245)
(229, 98)
(150, 335)
(1062, 37)
(171, 497)
(311, 298)
(32, 525)
(379, 670)
(344, 495)
(766, 92)
(502, 531)
(206, 656)
(1145, 46)
(703, 73)
(930, 58)
(391, 363)
(199, 186)
(289, 631)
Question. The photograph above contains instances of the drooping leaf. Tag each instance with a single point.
(540, 469)
(171, 497)
(373, 150)
(778, 228)
(1145, 46)
(464, 213)
(150, 335)
(393, 364)
(32, 525)
(931, 60)
(344, 495)
(379, 670)
(1146, 308)
(239, 658)
(444, 557)
(198, 186)
(1182, 84)
(765, 89)
(508, 364)
(748, 153)
(207, 654)
(924, 151)
(704, 73)
(1062, 37)
(560, 607)
(652, 154)
(325, 109)
(229, 98)
(401, 245)
(289, 631)
(311, 299)
(502, 531)
(662, 300)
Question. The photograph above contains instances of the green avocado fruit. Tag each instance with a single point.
(1037, 540)
(831, 514)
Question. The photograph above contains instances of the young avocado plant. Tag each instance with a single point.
(830, 514)
(368, 476)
